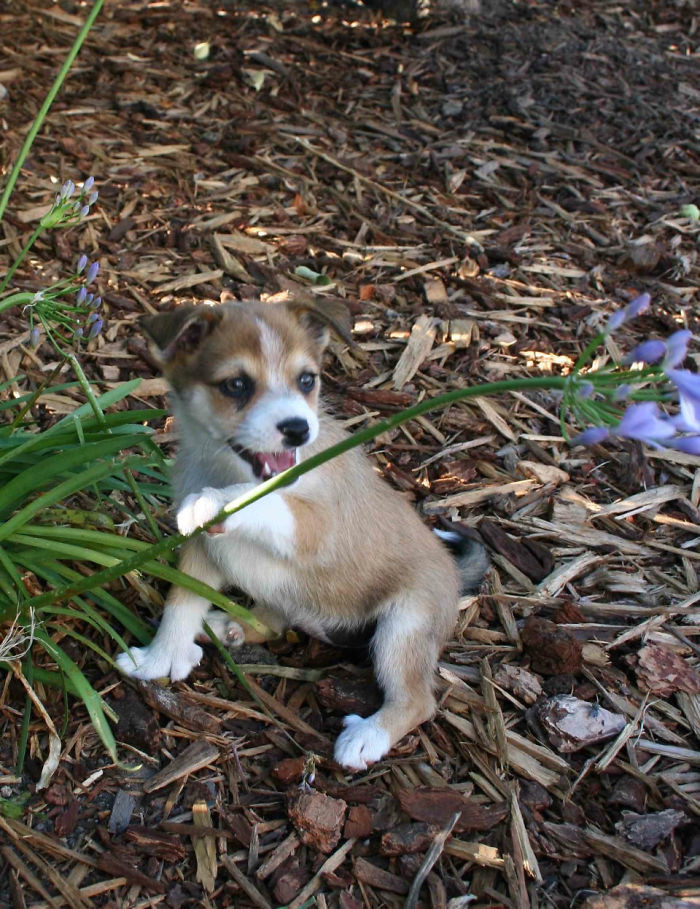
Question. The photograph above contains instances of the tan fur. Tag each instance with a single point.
(357, 553)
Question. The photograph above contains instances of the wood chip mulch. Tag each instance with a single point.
(482, 190)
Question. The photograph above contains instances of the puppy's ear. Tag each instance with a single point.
(180, 331)
(322, 315)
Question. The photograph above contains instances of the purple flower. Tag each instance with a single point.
(631, 311)
(96, 302)
(622, 392)
(647, 352)
(644, 423)
(591, 436)
(688, 444)
(688, 385)
(92, 272)
(81, 295)
(82, 262)
(84, 211)
(92, 198)
(615, 321)
(67, 190)
(88, 184)
(676, 348)
(637, 306)
(35, 336)
(585, 390)
(95, 328)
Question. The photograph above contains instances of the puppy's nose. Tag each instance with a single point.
(295, 431)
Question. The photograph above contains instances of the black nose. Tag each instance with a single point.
(295, 431)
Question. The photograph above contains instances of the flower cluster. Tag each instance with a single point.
(648, 374)
(68, 309)
(67, 210)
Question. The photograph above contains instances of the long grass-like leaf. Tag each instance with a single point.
(84, 690)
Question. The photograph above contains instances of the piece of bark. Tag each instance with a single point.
(176, 707)
(407, 839)
(647, 830)
(514, 551)
(358, 823)
(572, 724)
(436, 806)
(348, 696)
(318, 818)
(629, 792)
(288, 881)
(637, 896)
(137, 725)
(152, 842)
(663, 671)
(377, 877)
(194, 757)
(122, 809)
(552, 649)
(117, 868)
(289, 770)
(523, 684)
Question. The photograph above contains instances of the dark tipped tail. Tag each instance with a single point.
(471, 557)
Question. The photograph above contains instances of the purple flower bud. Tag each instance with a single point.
(92, 317)
(637, 306)
(622, 392)
(92, 272)
(688, 444)
(591, 436)
(88, 184)
(82, 262)
(92, 198)
(89, 298)
(688, 385)
(95, 328)
(615, 321)
(647, 352)
(35, 336)
(644, 423)
(585, 389)
(676, 348)
(96, 302)
(76, 206)
(79, 332)
(81, 295)
(67, 190)
(84, 211)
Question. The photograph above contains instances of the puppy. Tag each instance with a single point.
(336, 553)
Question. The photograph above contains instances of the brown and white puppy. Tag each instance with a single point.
(335, 553)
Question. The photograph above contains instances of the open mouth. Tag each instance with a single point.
(267, 464)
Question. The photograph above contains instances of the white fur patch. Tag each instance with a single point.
(269, 521)
(362, 742)
(272, 349)
(259, 432)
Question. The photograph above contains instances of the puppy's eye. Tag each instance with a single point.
(238, 387)
(306, 382)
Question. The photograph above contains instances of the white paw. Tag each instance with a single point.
(362, 742)
(155, 662)
(230, 633)
(199, 508)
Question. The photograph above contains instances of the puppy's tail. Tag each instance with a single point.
(471, 557)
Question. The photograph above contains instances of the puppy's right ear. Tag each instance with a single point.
(181, 331)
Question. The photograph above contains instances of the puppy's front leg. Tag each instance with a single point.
(173, 652)
(405, 650)
(269, 521)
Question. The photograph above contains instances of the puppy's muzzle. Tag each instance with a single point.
(295, 432)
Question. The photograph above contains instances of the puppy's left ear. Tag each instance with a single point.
(322, 315)
(180, 331)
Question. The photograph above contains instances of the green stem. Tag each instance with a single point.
(16, 300)
(45, 107)
(18, 261)
(138, 560)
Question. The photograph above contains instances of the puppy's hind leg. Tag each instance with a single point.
(405, 650)
(173, 652)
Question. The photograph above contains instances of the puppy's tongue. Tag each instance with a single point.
(269, 463)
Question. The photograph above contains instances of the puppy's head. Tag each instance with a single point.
(247, 375)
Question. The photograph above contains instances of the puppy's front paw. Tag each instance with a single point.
(198, 509)
(362, 742)
(155, 662)
(229, 632)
